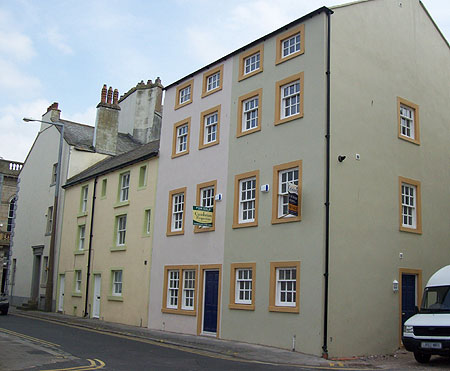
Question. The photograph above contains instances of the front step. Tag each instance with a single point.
(30, 305)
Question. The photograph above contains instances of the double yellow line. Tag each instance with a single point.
(92, 366)
(30, 338)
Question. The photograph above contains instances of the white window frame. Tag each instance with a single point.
(84, 198)
(54, 173)
(188, 300)
(243, 285)
(211, 122)
(247, 204)
(407, 124)
(288, 97)
(11, 212)
(207, 196)
(81, 237)
(185, 95)
(283, 197)
(177, 212)
(121, 230)
(148, 218)
(173, 288)
(49, 220)
(124, 186)
(409, 206)
(213, 81)
(290, 287)
(117, 283)
(247, 113)
(287, 44)
(182, 138)
(77, 281)
(252, 63)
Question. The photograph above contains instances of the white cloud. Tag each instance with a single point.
(56, 38)
(87, 117)
(17, 136)
(14, 81)
(16, 45)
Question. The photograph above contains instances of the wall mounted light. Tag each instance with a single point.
(395, 286)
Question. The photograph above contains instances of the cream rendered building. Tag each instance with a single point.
(105, 259)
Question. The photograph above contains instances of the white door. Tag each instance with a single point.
(61, 293)
(97, 286)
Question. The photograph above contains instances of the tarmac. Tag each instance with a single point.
(208, 345)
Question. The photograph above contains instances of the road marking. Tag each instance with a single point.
(31, 338)
(205, 353)
(92, 366)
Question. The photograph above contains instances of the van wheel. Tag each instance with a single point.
(422, 357)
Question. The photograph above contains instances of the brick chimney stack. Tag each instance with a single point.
(107, 122)
(53, 113)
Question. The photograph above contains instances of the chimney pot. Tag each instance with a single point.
(115, 96)
(109, 100)
(103, 95)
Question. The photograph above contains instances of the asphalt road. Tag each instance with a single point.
(33, 344)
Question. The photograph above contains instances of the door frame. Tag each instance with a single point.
(201, 293)
(93, 294)
(63, 287)
(418, 274)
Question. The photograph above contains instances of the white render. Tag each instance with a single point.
(198, 166)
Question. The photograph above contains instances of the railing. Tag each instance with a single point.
(15, 166)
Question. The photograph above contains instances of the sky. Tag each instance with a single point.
(64, 50)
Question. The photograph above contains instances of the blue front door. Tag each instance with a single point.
(211, 301)
(408, 296)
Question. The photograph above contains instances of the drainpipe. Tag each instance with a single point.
(327, 201)
(91, 234)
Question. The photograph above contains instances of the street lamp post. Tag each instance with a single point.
(51, 253)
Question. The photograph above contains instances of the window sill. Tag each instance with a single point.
(81, 214)
(287, 119)
(175, 233)
(274, 308)
(78, 252)
(207, 145)
(48, 234)
(242, 306)
(118, 248)
(115, 298)
(76, 294)
(179, 154)
(250, 74)
(141, 188)
(411, 140)
(183, 312)
(411, 230)
(145, 235)
(245, 225)
(247, 132)
(286, 220)
(43, 285)
(121, 204)
(207, 229)
(180, 105)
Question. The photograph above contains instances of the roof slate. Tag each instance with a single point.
(82, 136)
(143, 152)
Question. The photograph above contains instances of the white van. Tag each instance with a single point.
(428, 332)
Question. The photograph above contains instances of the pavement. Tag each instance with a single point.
(237, 350)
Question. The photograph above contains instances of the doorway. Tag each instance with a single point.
(36, 275)
(97, 297)
(209, 300)
(61, 293)
(410, 294)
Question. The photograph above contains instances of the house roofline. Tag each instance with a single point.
(257, 41)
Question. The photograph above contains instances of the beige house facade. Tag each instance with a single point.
(105, 259)
(344, 105)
